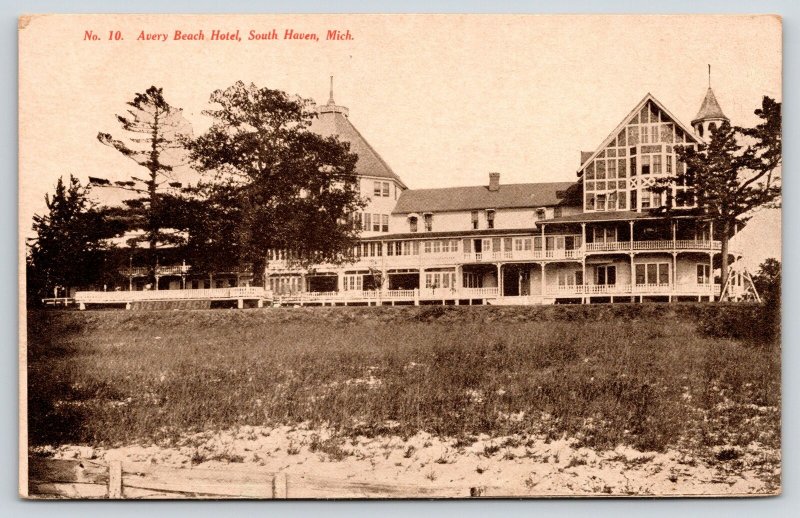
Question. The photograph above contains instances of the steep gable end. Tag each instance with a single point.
(648, 112)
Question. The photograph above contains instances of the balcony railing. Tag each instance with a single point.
(453, 258)
(659, 244)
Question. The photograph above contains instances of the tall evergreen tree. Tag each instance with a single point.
(285, 187)
(154, 136)
(68, 250)
(734, 174)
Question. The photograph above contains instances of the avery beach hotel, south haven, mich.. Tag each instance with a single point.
(596, 239)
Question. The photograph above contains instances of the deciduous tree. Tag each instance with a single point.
(284, 186)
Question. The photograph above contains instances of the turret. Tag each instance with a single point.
(710, 115)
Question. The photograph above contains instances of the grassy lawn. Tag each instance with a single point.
(639, 375)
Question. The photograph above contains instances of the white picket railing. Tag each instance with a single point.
(636, 289)
(121, 297)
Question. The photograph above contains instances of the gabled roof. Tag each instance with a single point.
(521, 195)
(332, 120)
(710, 108)
(627, 119)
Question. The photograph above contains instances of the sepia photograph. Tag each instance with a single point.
(332, 256)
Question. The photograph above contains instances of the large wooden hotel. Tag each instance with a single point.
(596, 239)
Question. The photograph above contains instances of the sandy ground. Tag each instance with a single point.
(515, 465)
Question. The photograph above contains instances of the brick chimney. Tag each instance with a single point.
(494, 182)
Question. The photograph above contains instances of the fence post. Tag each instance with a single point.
(280, 486)
(115, 479)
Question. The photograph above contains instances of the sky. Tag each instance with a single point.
(445, 99)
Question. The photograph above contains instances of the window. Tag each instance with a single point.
(656, 164)
(390, 248)
(604, 234)
(428, 247)
(412, 224)
(570, 278)
(601, 202)
(645, 164)
(606, 275)
(703, 274)
(537, 244)
(376, 222)
(437, 247)
(377, 189)
(652, 273)
(558, 212)
(367, 222)
(428, 222)
(541, 214)
(472, 280)
(385, 223)
(474, 220)
(386, 189)
(353, 282)
(490, 219)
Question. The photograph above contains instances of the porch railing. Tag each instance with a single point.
(121, 297)
(635, 289)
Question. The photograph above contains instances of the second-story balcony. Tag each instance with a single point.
(451, 257)
(660, 244)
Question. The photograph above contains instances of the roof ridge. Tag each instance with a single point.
(375, 153)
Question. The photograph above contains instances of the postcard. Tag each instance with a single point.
(399, 256)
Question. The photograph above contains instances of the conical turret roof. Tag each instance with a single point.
(333, 120)
(710, 108)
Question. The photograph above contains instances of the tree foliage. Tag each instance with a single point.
(69, 244)
(731, 176)
(154, 136)
(273, 183)
(767, 280)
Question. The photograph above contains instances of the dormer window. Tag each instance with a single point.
(540, 214)
(412, 223)
(490, 218)
(475, 220)
(428, 219)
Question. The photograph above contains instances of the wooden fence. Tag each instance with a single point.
(90, 479)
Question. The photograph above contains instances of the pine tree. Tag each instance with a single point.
(68, 250)
(733, 175)
(154, 136)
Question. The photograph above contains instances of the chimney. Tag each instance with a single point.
(494, 182)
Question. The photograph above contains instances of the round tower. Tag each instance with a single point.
(710, 115)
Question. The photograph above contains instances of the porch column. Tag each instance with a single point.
(583, 236)
(340, 281)
(583, 280)
(544, 284)
(631, 239)
(158, 277)
(130, 282)
(544, 250)
(711, 282)
(674, 232)
(674, 273)
(499, 280)
(633, 275)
